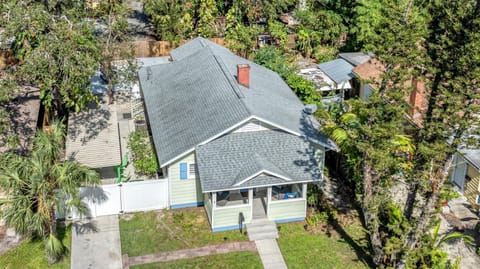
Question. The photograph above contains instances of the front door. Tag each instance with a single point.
(259, 203)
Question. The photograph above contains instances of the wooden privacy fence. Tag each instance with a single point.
(152, 48)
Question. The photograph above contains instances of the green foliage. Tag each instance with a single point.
(240, 38)
(31, 253)
(319, 29)
(207, 11)
(54, 248)
(144, 159)
(304, 89)
(117, 61)
(275, 60)
(56, 48)
(279, 34)
(38, 185)
(313, 220)
(172, 19)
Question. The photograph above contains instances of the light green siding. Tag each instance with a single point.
(230, 216)
(288, 209)
(183, 191)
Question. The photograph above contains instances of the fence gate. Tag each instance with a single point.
(126, 197)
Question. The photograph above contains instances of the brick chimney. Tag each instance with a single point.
(243, 74)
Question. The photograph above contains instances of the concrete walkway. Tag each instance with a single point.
(96, 244)
(270, 254)
(189, 253)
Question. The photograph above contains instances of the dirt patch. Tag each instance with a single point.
(127, 216)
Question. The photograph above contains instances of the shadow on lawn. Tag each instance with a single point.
(361, 251)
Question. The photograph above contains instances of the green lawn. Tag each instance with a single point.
(168, 230)
(302, 249)
(234, 260)
(31, 254)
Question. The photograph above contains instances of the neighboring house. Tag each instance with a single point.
(232, 136)
(465, 174)
(335, 79)
(370, 74)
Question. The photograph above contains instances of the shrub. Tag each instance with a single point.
(144, 160)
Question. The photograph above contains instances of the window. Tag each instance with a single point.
(192, 170)
(183, 170)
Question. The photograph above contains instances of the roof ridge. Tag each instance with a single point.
(259, 161)
(227, 75)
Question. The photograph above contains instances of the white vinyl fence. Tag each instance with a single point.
(122, 198)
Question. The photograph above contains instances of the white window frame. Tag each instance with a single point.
(191, 175)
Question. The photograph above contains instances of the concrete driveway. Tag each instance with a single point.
(96, 244)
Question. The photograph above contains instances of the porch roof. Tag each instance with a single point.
(254, 159)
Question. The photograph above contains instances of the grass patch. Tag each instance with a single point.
(31, 253)
(335, 249)
(167, 230)
(234, 260)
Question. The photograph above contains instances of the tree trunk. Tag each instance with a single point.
(370, 211)
(410, 203)
(430, 206)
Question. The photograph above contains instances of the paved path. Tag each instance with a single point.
(191, 253)
(270, 254)
(96, 244)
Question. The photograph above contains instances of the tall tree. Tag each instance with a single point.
(207, 12)
(117, 61)
(55, 48)
(437, 43)
(453, 107)
(36, 187)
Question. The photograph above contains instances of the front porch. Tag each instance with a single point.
(233, 209)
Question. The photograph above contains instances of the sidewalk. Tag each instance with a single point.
(96, 244)
(270, 254)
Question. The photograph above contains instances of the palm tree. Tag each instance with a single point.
(37, 186)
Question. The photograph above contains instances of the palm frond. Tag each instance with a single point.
(350, 120)
(340, 136)
(54, 247)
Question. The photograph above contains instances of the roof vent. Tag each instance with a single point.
(243, 74)
(310, 109)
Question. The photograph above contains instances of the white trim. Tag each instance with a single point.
(233, 127)
(208, 140)
(226, 131)
(269, 199)
(231, 206)
(178, 157)
(260, 172)
(189, 176)
(304, 190)
(260, 186)
(277, 126)
(213, 198)
(288, 200)
(250, 202)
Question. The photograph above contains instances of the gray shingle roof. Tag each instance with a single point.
(473, 156)
(255, 165)
(338, 70)
(197, 97)
(229, 160)
(187, 104)
(355, 58)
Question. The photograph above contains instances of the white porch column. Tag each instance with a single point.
(250, 202)
(214, 200)
(269, 199)
(304, 190)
